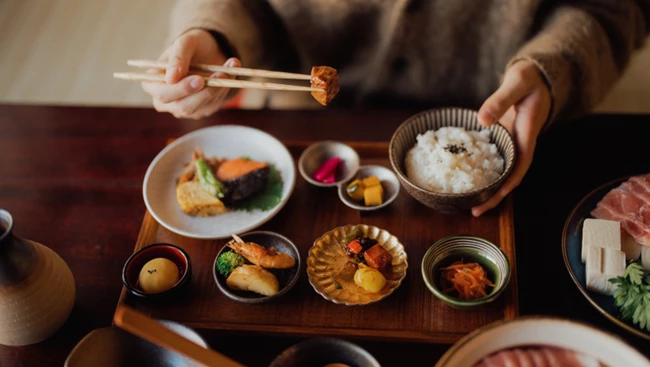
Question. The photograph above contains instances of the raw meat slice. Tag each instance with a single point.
(629, 204)
(538, 357)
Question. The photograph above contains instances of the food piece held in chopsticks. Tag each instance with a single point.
(326, 78)
(260, 255)
(253, 278)
(466, 281)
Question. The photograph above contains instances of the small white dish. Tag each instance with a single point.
(388, 180)
(224, 141)
(535, 331)
(317, 154)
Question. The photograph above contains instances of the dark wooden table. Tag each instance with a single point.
(72, 179)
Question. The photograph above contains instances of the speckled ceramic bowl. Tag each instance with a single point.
(286, 277)
(404, 139)
(327, 258)
(468, 249)
(317, 154)
(323, 351)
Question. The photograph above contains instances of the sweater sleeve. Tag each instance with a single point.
(234, 24)
(582, 48)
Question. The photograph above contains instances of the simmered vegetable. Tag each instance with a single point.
(158, 275)
(369, 279)
(355, 190)
(377, 257)
(373, 195)
(228, 261)
(371, 181)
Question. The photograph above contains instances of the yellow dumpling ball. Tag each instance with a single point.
(369, 279)
(158, 275)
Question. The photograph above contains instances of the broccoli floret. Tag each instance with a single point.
(228, 261)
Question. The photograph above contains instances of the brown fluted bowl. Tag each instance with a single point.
(404, 139)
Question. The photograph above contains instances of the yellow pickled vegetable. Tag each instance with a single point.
(369, 279)
(355, 190)
(373, 195)
(371, 181)
(158, 275)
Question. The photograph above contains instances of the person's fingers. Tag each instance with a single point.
(180, 55)
(528, 112)
(167, 93)
(517, 83)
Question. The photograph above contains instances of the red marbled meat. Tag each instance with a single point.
(538, 357)
(629, 204)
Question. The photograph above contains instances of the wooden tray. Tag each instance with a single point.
(412, 313)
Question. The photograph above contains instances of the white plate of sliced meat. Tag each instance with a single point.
(541, 342)
(625, 204)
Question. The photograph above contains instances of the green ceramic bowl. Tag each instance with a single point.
(469, 249)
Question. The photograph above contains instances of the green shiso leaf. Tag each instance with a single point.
(266, 199)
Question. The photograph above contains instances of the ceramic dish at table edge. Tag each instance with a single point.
(223, 141)
(288, 276)
(541, 331)
(571, 250)
(318, 260)
(388, 180)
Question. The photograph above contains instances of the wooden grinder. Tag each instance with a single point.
(37, 290)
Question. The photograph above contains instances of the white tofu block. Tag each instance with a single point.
(600, 233)
(631, 248)
(645, 257)
(602, 265)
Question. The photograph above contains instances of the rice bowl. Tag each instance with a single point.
(453, 160)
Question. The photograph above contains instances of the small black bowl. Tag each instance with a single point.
(322, 351)
(286, 277)
(134, 264)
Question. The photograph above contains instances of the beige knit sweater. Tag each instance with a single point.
(432, 52)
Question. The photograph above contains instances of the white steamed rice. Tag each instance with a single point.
(476, 163)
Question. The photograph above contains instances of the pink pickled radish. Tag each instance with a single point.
(327, 169)
(329, 179)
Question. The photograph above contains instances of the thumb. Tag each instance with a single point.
(515, 86)
(180, 56)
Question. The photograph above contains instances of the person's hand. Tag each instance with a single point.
(522, 104)
(186, 96)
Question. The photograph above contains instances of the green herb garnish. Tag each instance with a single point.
(633, 295)
(267, 198)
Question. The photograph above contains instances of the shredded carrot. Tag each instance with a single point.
(468, 280)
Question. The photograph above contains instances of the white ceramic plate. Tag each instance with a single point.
(542, 331)
(224, 141)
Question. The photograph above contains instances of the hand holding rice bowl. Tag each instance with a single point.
(405, 139)
(454, 160)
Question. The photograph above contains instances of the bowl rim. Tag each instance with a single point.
(345, 198)
(311, 147)
(183, 279)
(226, 292)
(496, 183)
(456, 301)
(347, 303)
(314, 342)
(460, 344)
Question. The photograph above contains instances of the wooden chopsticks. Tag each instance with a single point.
(223, 69)
(218, 82)
(149, 329)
